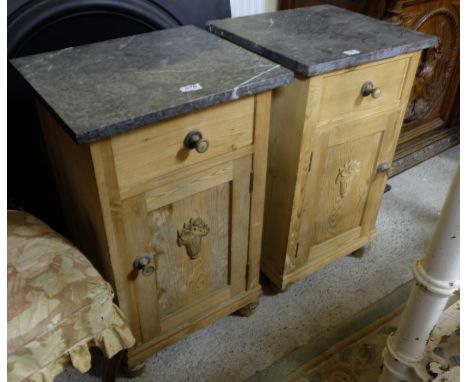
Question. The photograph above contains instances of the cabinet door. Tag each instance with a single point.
(344, 187)
(195, 231)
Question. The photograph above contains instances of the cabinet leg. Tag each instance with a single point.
(248, 310)
(276, 289)
(134, 371)
(361, 252)
(111, 366)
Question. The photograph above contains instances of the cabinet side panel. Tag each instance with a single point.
(311, 156)
(74, 175)
(288, 115)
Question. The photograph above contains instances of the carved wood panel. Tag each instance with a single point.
(436, 66)
(184, 277)
(198, 241)
(432, 97)
(346, 180)
(374, 8)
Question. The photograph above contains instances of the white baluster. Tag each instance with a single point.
(437, 277)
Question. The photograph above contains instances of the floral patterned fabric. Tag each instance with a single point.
(58, 304)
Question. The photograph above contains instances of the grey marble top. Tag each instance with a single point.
(320, 39)
(102, 89)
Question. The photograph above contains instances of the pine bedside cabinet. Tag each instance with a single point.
(333, 131)
(159, 144)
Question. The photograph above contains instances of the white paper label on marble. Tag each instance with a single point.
(191, 88)
(351, 52)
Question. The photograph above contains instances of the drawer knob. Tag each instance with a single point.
(194, 140)
(143, 264)
(384, 168)
(368, 89)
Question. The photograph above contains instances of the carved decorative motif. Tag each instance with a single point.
(346, 175)
(191, 234)
(437, 65)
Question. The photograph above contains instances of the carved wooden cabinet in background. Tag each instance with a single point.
(431, 124)
(374, 8)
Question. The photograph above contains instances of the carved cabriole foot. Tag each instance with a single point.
(133, 372)
(248, 310)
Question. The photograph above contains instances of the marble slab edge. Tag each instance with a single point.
(325, 67)
(243, 90)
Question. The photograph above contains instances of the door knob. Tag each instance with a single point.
(195, 140)
(368, 89)
(143, 264)
(384, 168)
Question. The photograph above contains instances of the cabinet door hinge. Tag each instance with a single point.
(251, 181)
(297, 250)
(310, 160)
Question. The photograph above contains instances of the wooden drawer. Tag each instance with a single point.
(341, 94)
(145, 154)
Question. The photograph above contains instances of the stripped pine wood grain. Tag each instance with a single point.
(240, 224)
(326, 172)
(192, 183)
(137, 239)
(212, 313)
(113, 220)
(345, 183)
(176, 232)
(150, 183)
(306, 157)
(78, 191)
(341, 97)
(181, 279)
(87, 188)
(389, 144)
(288, 118)
(259, 168)
(228, 126)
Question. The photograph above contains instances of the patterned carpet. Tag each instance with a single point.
(353, 353)
(351, 361)
(361, 360)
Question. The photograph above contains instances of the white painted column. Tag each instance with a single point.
(252, 7)
(436, 277)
